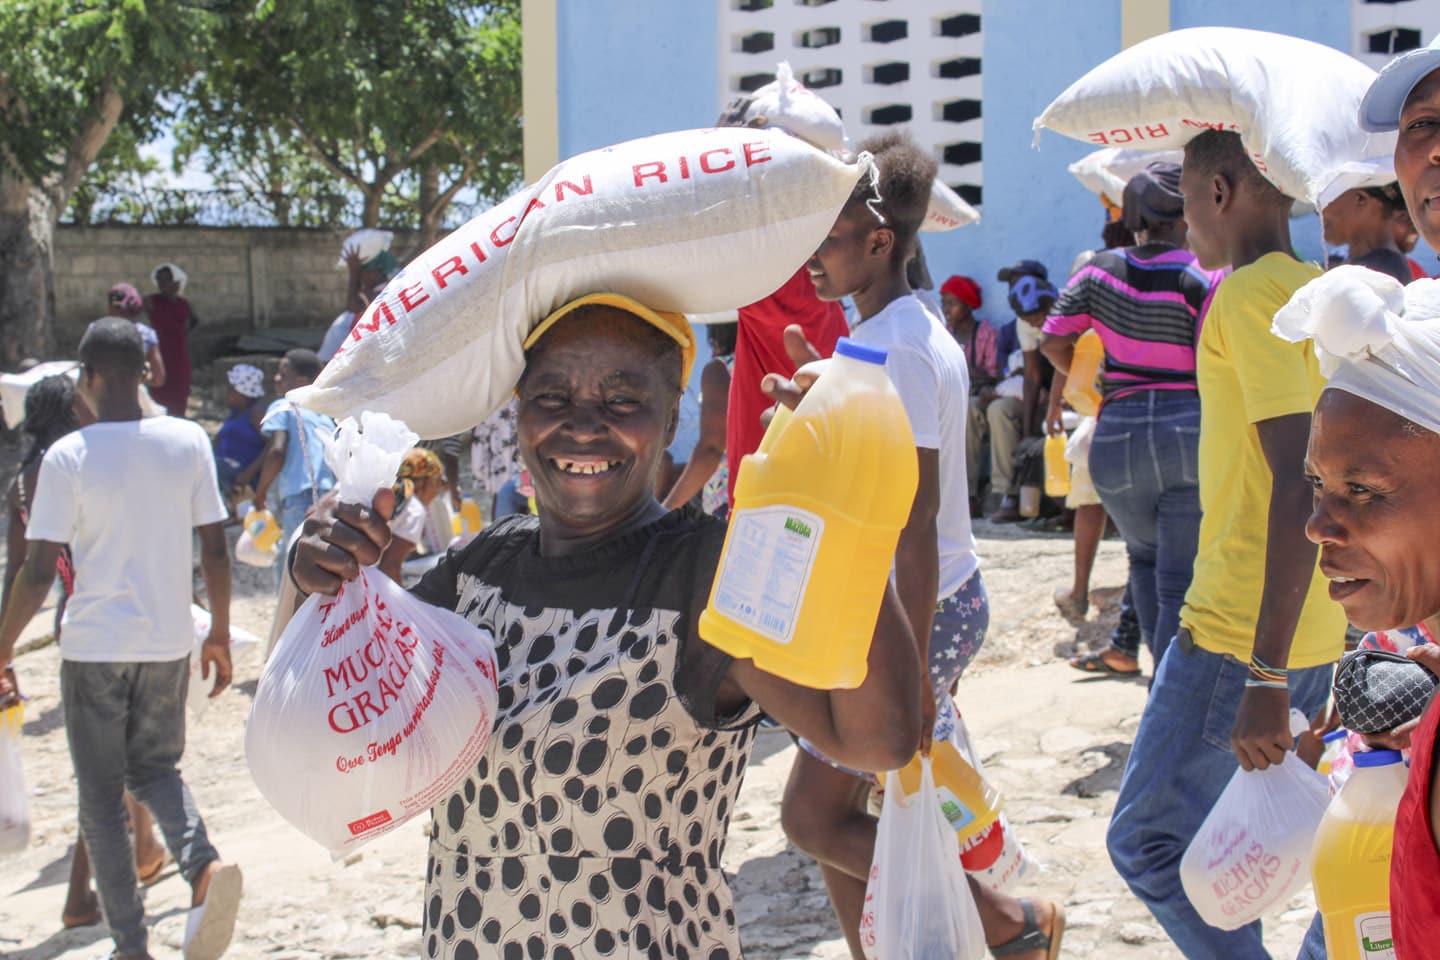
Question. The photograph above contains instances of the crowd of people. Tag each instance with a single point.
(1269, 489)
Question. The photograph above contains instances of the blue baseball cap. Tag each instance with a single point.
(1380, 110)
(1027, 292)
(1023, 268)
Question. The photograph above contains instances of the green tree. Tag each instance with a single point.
(408, 99)
(70, 72)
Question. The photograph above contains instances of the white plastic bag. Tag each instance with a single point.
(691, 222)
(373, 705)
(917, 903)
(1294, 103)
(198, 697)
(1253, 850)
(14, 799)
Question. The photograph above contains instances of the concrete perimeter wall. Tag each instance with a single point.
(239, 278)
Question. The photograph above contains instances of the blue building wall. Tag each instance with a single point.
(1033, 208)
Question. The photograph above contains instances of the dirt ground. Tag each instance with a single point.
(1055, 741)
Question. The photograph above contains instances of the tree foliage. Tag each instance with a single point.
(416, 99)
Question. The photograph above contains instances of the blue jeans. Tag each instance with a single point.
(291, 516)
(1313, 947)
(125, 723)
(1144, 462)
(1179, 764)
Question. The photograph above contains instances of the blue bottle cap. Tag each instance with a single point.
(1377, 758)
(1334, 735)
(859, 351)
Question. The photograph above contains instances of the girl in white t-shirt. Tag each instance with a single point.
(419, 481)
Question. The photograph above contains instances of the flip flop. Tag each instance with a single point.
(150, 876)
(1031, 938)
(210, 926)
(1095, 663)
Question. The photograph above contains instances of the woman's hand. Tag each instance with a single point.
(791, 391)
(1428, 656)
(340, 538)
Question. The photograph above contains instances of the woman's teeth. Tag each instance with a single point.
(1342, 579)
(584, 467)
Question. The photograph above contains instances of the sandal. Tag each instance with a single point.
(1096, 663)
(1031, 938)
(151, 875)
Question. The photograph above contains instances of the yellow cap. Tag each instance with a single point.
(673, 325)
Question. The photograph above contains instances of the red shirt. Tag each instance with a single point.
(171, 320)
(1417, 272)
(760, 349)
(1415, 863)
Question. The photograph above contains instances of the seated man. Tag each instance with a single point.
(987, 352)
(1019, 408)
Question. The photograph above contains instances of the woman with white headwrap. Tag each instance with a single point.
(1373, 460)
(172, 318)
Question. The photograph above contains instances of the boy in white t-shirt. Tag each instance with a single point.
(125, 650)
(937, 573)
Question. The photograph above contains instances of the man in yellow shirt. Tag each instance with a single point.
(1258, 632)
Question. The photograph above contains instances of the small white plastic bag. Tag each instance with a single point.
(1253, 850)
(917, 902)
(373, 704)
(198, 698)
(14, 799)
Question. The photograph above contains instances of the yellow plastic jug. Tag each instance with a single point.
(264, 530)
(1082, 385)
(818, 510)
(1350, 862)
(970, 802)
(468, 521)
(1057, 468)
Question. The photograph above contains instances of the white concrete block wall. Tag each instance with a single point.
(857, 56)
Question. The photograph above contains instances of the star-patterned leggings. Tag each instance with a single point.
(956, 636)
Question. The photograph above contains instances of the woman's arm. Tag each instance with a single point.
(874, 727)
(710, 447)
(156, 376)
(15, 547)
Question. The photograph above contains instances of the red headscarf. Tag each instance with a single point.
(964, 289)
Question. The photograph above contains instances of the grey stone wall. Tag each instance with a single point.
(239, 278)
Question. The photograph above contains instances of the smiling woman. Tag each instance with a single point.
(595, 823)
(1373, 457)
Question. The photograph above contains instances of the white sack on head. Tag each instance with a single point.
(1357, 174)
(947, 211)
(1373, 338)
(1294, 103)
(366, 243)
(787, 104)
(179, 276)
(689, 222)
(1105, 172)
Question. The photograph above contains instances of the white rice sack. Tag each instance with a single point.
(15, 386)
(692, 222)
(1294, 103)
(366, 244)
(791, 106)
(948, 211)
(1105, 172)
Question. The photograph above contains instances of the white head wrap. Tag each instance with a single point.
(247, 379)
(1373, 338)
(175, 272)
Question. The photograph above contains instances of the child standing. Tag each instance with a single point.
(295, 459)
(239, 443)
(1257, 597)
(128, 636)
(936, 573)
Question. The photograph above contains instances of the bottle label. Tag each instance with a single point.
(1372, 935)
(959, 815)
(766, 569)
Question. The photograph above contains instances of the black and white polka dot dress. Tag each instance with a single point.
(595, 823)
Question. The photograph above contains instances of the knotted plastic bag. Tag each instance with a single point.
(14, 800)
(917, 903)
(374, 704)
(1253, 850)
